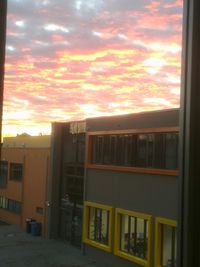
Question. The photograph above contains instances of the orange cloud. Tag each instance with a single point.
(77, 62)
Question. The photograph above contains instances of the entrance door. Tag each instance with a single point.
(71, 204)
(71, 215)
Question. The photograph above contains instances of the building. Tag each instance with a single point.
(66, 184)
(23, 179)
(130, 188)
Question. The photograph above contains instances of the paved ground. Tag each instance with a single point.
(19, 249)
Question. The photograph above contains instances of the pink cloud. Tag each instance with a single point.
(110, 61)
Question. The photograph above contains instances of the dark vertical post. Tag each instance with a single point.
(189, 219)
(3, 16)
(54, 180)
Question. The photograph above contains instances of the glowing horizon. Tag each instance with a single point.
(72, 60)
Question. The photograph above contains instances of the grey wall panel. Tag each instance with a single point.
(55, 179)
(155, 119)
(152, 194)
(108, 259)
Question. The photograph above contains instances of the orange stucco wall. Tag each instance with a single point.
(31, 191)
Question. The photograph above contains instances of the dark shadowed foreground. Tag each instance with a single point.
(19, 249)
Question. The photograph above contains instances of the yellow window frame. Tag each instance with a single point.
(125, 255)
(87, 206)
(159, 222)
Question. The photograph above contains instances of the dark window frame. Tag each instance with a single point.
(4, 166)
(130, 160)
(16, 171)
(14, 206)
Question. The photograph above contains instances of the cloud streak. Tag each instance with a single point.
(69, 60)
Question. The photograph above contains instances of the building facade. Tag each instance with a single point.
(66, 184)
(23, 179)
(128, 186)
(131, 189)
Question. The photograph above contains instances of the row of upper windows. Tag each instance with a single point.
(15, 171)
(145, 150)
(132, 238)
(10, 205)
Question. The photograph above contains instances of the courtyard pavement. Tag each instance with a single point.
(19, 249)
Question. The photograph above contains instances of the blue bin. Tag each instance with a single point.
(35, 228)
(28, 225)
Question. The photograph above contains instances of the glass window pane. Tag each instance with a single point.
(128, 150)
(113, 149)
(81, 148)
(91, 222)
(159, 151)
(142, 150)
(4, 203)
(134, 236)
(124, 233)
(171, 152)
(150, 150)
(120, 150)
(106, 151)
(16, 171)
(105, 227)
(134, 149)
(18, 207)
(98, 225)
(141, 246)
(133, 223)
(98, 145)
(169, 241)
(3, 173)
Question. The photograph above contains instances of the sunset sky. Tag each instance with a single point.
(71, 59)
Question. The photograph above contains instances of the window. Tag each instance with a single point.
(3, 202)
(166, 243)
(10, 205)
(14, 206)
(40, 210)
(171, 151)
(113, 149)
(81, 148)
(143, 150)
(133, 236)
(3, 173)
(72, 183)
(98, 146)
(98, 223)
(16, 171)
(121, 149)
(166, 150)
